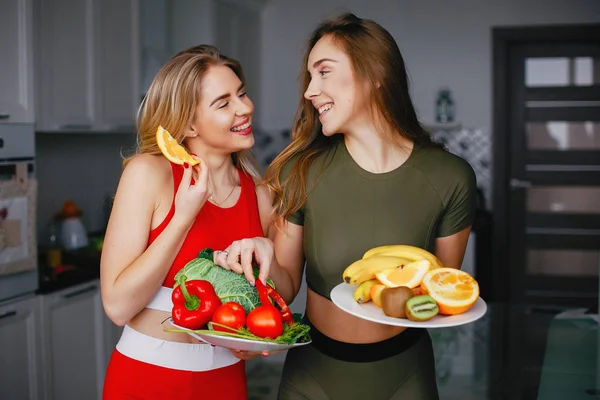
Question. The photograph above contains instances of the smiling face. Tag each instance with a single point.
(223, 118)
(333, 88)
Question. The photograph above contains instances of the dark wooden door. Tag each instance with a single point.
(548, 191)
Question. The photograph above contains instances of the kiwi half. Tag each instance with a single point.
(421, 308)
(393, 301)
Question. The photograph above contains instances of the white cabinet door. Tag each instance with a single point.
(67, 65)
(89, 65)
(16, 62)
(119, 51)
(20, 352)
(74, 343)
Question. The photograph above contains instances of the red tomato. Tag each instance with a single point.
(265, 321)
(231, 314)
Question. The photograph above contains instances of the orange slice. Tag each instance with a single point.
(453, 290)
(409, 275)
(376, 294)
(174, 152)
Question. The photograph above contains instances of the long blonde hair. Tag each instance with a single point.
(173, 97)
(375, 58)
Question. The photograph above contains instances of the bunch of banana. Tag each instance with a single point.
(366, 268)
(362, 293)
(407, 252)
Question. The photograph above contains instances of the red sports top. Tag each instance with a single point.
(214, 227)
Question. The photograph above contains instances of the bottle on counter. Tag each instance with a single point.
(444, 107)
(54, 252)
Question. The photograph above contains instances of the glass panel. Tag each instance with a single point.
(584, 71)
(564, 199)
(563, 135)
(570, 263)
(562, 71)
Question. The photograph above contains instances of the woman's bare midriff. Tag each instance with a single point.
(344, 327)
(153, 322)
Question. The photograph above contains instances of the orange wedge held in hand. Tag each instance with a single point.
(410, 275)
(453, 290)
(174, 152)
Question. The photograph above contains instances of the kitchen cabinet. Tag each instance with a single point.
(16, 62)
(237, 35)
(20, 350)
(88, 66)
(74, 343)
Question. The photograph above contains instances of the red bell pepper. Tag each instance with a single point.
(266, 292)
(194, 303)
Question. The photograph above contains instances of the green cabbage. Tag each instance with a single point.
(229, 285)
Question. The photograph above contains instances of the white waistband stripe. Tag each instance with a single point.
(162, 300)
(173, 355)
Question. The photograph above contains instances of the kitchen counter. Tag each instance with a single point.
(77, 267)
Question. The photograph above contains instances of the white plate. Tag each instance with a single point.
(240, 344)
(342, 296)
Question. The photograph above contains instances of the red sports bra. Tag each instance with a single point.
(214, 227)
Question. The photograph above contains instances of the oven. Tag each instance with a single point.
(18, 199)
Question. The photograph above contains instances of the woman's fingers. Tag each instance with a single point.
(220, 258)
(265, 264)
(187, 175)
(239, 255)
(202, 179)
(246, 255)
(244, 355)
(233, 256)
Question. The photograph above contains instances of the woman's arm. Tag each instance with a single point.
(451, 249)
(288, 261)
(279, 254)
(130, 273)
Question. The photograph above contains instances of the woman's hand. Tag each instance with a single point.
(239, 255)
(191, 196)
(249, 355)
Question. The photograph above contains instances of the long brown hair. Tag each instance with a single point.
(174, 95)
(375, 58)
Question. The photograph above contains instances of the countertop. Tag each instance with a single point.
(77, 267)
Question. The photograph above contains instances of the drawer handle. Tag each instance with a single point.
(8, 314)
(4, 116)
(80, 292)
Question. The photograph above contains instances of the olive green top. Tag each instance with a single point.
(349, 210)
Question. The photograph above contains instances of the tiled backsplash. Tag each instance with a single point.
(474, 146)
(268, 145)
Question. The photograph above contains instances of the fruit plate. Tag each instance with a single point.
(235, 343)
(342, 297)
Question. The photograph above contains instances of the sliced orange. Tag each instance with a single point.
(453, 290)
(376, 294)
(174, 152)
(409, 275)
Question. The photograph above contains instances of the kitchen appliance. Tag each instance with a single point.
(18, 193)
(74, 235)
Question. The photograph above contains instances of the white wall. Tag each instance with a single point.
(444, 43)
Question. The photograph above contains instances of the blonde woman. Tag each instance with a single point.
(164, 214)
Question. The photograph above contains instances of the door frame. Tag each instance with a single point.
(503, 39)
